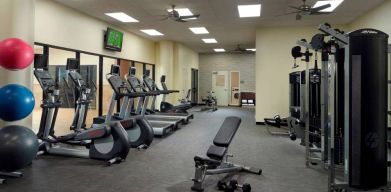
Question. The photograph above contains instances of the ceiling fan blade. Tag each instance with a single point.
(320, 8)
(294, 7)
(175, 13)
(320, 13)
(295, 12)
(189, 16)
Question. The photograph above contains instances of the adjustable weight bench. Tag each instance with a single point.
(217, 160)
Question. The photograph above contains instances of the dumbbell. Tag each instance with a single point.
(221, 185)
(233, 185)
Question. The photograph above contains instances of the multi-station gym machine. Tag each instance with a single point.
(353, 83)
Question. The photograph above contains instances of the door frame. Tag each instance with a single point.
(194, 85)
(230, 87)
(227, 85)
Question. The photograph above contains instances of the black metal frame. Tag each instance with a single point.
(100, 65)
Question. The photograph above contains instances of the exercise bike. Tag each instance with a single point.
(103, 142)
(210, 102)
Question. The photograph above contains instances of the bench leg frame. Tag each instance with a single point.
(9, 174)
(201, 171)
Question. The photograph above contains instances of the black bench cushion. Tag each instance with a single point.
(215, 152)
(227, 131)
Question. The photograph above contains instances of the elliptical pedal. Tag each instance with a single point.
(142, 146)
(116, 160)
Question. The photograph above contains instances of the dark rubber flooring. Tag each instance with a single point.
(168, 164)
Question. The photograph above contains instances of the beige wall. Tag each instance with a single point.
(378, 18)
(273, 64)
(185, 60)
(17, 20)
(175, 61)
(62, 26)
(165, 66)
(273, 60)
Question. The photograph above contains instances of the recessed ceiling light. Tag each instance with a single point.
(199, 30)
(253, 49)
(249, 10)
(182, 11)
(219, 50)
(151, 32)
(211, 40)
(334, 4)
(120, 16)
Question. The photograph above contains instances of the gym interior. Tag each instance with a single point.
(185, 95)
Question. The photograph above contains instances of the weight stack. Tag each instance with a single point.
(367, 103)
(294, 97)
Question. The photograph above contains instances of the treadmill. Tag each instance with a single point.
(142, 106)
(151, 85)
(122, 90)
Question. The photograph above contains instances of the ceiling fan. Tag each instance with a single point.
(174, 15)
(305, 10)
(238, 49)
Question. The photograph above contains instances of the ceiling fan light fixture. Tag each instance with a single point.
(219, 50)
(199, 30)
(152, 32)
(249, 10)
(123, 17)
(182, 11)
(334, 4)
(209, 40)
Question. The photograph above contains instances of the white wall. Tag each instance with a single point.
(242, 62)
(62, 26)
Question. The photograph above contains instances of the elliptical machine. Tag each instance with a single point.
(168, 107)
(103, 142)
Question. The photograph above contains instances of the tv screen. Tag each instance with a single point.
(113, 39)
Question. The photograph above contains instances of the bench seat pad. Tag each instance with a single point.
(227, 131)
(216, 152)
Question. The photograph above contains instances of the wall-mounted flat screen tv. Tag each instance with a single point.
(113, 39)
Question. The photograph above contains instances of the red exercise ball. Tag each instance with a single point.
(15, 54)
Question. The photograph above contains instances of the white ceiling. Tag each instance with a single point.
(220, 17)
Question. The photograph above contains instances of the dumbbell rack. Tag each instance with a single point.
(11, 174)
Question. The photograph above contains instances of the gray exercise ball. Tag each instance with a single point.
(18, 147)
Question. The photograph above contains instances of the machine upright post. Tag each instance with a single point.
(331, 115)
(307, 103)
(324, 110)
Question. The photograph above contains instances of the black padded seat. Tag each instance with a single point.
(216, 153)
(227, 131)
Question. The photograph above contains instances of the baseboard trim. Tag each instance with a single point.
(260, 123)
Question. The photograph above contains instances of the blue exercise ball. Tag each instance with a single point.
(18, 147)
(16, 102)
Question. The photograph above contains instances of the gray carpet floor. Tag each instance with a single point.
(168, 164)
